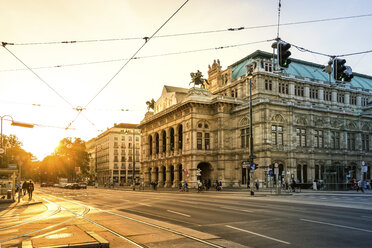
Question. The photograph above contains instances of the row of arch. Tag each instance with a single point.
(166, 140)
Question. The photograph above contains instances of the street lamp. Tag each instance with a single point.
(2, 150)
(251, 156)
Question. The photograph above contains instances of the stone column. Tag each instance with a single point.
(161, 143)
(321, 94)
(147, 177)
(153, 174)
(176, 143)
(161, 178)
(168, 182)
(168, 142)
(176, 177)
(359, 101)
(291, 89)
(306, 91)
(347, 98)
(334, 96)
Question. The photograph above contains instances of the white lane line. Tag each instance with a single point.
(178, 213)
(368, 217)
(257, 234)
(45, 234)
(331, 224)
(236, 209)
(144, 204)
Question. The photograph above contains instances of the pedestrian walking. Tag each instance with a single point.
(25, 187)
(30, 190)
(257, 185)
(315, 186)
(360, 186)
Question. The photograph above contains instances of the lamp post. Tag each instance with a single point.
(2, 150)
(251, 156)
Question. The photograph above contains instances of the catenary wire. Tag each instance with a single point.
(144, 57)
(189, 33)
(138, 50)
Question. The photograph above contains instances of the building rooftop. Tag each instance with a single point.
(299, 68)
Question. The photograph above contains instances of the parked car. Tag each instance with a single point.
(75, 186)
(43, 185)
(68, 186)
(83, 185)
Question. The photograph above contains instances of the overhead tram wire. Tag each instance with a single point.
(189, 33)
(145, 57)
(147, 39)
(41, 79)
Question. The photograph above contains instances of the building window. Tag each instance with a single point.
(116, 145)
(150, 145)
(341, 97)
(335, 140)
(122, 158)
(283, 88)
(277, 135)
(268, 67)
(327, 95)
(318, 135)
(351, 141)
(313, 93)
(129, 138)
(206, 141)
(365, 142)
(116, 138)
(116, 159)
(364, 101)
(137, 138)
(301, 137)
(353, 100)
(268, 85)
(299, 90)
(199, 145)
(244, 138)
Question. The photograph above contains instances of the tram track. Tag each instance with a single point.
(136, 220)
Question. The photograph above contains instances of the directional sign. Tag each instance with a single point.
(253, 166)
(271, 172)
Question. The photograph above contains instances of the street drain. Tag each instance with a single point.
(59, 236)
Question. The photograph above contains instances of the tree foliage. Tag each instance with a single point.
(69, 155)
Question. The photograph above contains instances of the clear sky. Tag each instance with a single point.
(28, 99)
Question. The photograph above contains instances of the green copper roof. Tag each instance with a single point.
(300, 68)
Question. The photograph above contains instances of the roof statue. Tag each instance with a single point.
(197, 79)
(150, 104)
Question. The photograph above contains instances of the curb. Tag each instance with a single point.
(100, 243)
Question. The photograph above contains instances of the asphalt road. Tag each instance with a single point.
(227, 219)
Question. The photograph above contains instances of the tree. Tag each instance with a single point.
(68, 156)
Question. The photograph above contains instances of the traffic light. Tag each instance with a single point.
(341, 72)
(283, 54)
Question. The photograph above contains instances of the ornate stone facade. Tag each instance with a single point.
(312, 128)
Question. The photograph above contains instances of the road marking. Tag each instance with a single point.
(178, 213)
(236, 209)
(45, 234)
(264, 236)
(331, 224)
(368, 217)
(144, 204)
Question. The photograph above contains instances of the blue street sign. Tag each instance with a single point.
(253, 166)
(271, 172)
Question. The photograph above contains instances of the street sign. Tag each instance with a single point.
(271, 172)
(276, 165)
(253, 166)
(363, 163)
(245, 164)
(365, 169)
(2, 150)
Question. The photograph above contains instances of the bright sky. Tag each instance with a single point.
(27, 99)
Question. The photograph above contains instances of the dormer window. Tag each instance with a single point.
(268, 67)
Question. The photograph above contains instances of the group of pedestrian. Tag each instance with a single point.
(26, 187)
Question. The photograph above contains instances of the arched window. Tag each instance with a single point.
(157, 143)
(164, 141)
(172, 139)
(180, 137)
(150, 144)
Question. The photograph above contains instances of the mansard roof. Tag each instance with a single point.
(299, 68)
(175, 89)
